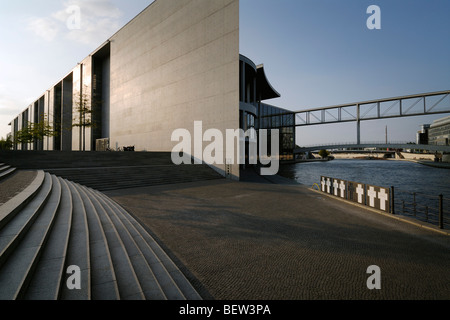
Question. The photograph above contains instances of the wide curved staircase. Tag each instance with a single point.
(55, 224)
(6, 170)
(106, 171)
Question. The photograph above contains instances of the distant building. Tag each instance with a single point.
(422, 135)
(439, 132)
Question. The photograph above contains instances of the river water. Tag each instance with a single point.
(417, 187)
(403, 175)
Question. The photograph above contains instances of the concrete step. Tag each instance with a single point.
(168, 273)
(18, 269)
(168, 286)
(47, 279)
(127, 282)
(9, 209)
(78, 251)
(63, 159)
(135, 174)
(61, 223)
(130, 177)
(110, 170)
(103, 277)
(144, 273)
(6, 171)
(14, 231)
(103, 187)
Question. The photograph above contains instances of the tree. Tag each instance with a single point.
(42, 129)
(33, 132)
(6, 144)
(24, 136)
(84, 115)
(323, 153)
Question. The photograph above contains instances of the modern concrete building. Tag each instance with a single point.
(439, 132)
(422, 134)
(175, 63)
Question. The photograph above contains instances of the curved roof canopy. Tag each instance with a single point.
(264, 89)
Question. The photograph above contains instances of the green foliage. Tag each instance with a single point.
(83, 110)
(323, 153)
(85, 107)
(6, 144)
(35, 131)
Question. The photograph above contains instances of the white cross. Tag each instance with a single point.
(328, 185)
(360, 192)
(342, 187)
(335, 187)
(372, 194)
(383, 196)
(323, 184)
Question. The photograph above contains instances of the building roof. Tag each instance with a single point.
(440, 122)
(264, 89)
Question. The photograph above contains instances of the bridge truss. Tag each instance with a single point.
(378, 145)
(404, 106)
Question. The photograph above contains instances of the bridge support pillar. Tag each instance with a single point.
(358, 125)
(358, 132)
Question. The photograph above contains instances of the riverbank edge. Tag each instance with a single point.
(389, 215)
(440, 165)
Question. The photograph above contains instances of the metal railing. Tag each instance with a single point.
(424, 207)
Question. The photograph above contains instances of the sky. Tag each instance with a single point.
(40, 43)
(320, 53)
(316, 53)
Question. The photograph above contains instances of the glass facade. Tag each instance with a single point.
(271, 117)
(254, 88)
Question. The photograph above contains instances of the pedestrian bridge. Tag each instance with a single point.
(395, 146)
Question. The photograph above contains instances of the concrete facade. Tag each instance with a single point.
(174, 65)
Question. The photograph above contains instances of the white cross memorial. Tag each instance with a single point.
(372, 194)
(360, 192)
(342, 188)
(328, 185)
(383, 196)
(335, 187)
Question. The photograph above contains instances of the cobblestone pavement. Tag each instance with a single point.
(14, 184)
(250, 241)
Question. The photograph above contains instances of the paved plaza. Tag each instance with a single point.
(257, 240)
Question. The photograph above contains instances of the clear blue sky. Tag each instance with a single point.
(316, 53)
(320, 53)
